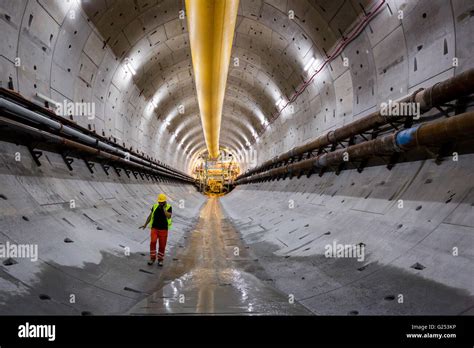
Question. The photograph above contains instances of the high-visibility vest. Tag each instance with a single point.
(167, 207)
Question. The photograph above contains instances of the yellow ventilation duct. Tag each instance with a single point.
(211, 25)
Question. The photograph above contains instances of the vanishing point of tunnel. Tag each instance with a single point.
(293, 157)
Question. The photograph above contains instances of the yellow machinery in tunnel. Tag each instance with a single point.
(216, 176)
(211, 25)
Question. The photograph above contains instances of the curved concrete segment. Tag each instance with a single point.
(91, 255)
(413, 226)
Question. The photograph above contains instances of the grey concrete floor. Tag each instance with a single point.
(215, 274)
(84, 58)
(280, 250)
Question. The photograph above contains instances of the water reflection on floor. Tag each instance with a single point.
(209, 276)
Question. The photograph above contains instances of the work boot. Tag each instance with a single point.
(151, 262)
(160, 263)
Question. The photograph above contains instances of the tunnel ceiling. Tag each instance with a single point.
(271, 48)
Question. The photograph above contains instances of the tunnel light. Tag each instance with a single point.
(75, 4)
(47, 99)
(279, 101)
(128, 64)
(153, 104)
(309, 64)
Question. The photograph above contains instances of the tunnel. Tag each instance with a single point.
(341, 131)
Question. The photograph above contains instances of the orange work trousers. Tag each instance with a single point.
(161, 236)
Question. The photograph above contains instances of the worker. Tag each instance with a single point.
(160, 222)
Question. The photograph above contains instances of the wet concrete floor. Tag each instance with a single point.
(214, 273)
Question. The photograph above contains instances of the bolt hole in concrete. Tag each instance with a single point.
(3, 197)
(68, 240)
(9, 262)
(86, 313)
(418, 266)
(132, 290)
(390, 298)
(353, 313)
(25, 218)
(44, 297)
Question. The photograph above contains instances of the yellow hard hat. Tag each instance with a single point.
(161, 198)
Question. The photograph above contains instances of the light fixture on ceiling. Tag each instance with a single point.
(153, 104)
(312, 63)
(279, 101)
(128, 64)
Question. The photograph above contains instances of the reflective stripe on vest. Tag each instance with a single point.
(156, 205)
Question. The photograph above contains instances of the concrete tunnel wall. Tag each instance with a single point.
(83, 248)
(81, 59)
(289, 224)
(390, 59)
(63, 57)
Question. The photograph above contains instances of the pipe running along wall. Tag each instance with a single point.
(439, 93)
(211, 26)
(459, 127)
(84, 142)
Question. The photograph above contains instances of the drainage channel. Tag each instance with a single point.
(215, 274)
